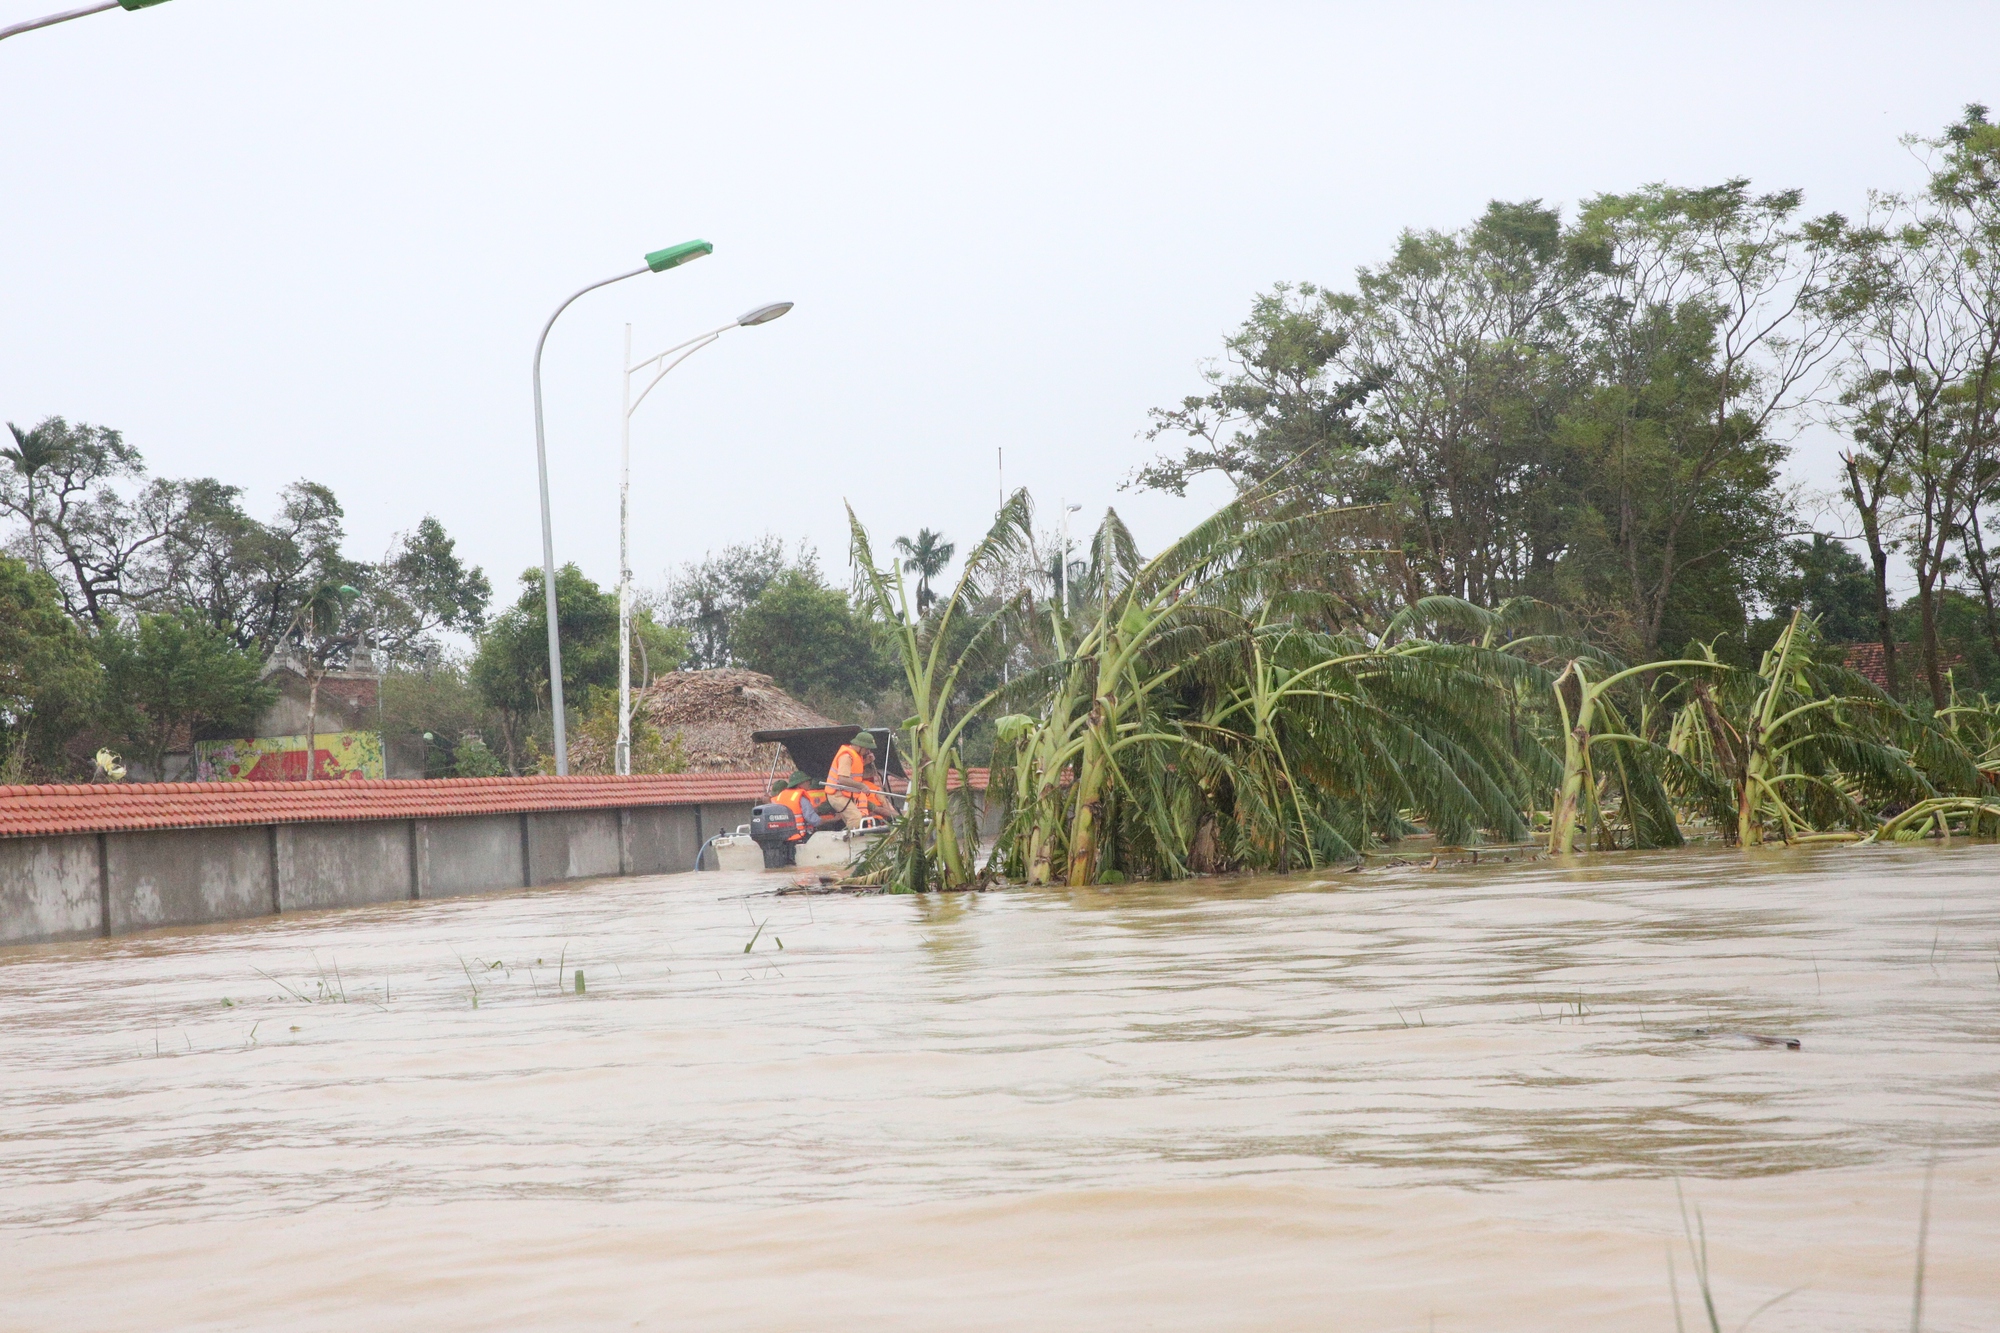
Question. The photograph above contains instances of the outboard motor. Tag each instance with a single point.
(772, 828)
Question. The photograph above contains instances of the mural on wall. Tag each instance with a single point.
(340, 756)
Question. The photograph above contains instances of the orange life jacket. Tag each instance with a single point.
(798, 800)
(848, 767)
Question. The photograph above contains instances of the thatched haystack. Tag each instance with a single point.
(714, 712)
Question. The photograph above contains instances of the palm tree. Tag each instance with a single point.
(34, 450)
(925, 557)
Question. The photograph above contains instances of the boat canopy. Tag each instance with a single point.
(812, 748)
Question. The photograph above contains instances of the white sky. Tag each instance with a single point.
(273, 239)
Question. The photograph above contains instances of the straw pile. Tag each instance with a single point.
(714, 712)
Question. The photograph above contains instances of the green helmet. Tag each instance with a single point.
(863, 741)
(799, 778)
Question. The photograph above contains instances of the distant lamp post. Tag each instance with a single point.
(64, 17)
(657, 262)
(1062, 560)
(679, 352)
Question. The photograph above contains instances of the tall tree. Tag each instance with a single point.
(1276, 400)
(173, 674)
(1707, 328)
(1469, 340)
(707, 595)
(420, 589)
(33, 451)
(807, 637)
(1922, 374)
(1965, 185)
(926, 557)
(1822, 578)
(1590, 415)
(48, 681)
(104, 548)
(511, 668)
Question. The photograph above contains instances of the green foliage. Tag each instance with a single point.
(706, 598)
(1190, 722)
(593, 749)
(172, 675)
(1185, 715)
(1281, 397)
(808, 638)
(48, 679)
(1580, 414)
(471, 759)
(424, 587)
(166, 574)
(1802, 745)
(937, 835)
(1826, 581)
(120, 544)
(1966, 650)
(511, 668)
(438, 699)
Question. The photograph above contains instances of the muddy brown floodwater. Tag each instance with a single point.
(1398, 1100)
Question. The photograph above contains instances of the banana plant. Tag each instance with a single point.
(1800, 747)
(1583, 705)
(936, 839)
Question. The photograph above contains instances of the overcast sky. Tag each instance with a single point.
(274, 239)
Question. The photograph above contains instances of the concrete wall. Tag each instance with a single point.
(572, 844)
(343, 865)
(76, 887)
(661, 840)
(187, 878)
(49, 889)
(473, 855)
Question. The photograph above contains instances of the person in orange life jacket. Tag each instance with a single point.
(796, 794)
(853, 781)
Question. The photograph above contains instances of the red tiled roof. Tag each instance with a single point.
(1866, 659)
(120, 807)
(115, 807)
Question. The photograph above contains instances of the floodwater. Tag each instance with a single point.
(1457, 1099)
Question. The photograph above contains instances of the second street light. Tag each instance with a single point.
(657, 262)
(50, 20)
(666, 361)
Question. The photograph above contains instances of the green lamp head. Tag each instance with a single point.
(675, 255)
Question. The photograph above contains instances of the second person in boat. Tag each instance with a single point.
(854, 785)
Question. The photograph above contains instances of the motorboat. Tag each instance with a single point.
(769, 841)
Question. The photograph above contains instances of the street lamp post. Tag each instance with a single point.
(1062, 560)
(656, 262)
(50, 20)
(679, 352)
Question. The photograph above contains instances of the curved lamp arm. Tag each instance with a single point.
(658, 261)
(50, 20)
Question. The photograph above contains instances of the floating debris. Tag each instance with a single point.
(1751, 1038)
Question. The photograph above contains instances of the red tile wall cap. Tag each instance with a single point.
(118, 807)
(28, 811)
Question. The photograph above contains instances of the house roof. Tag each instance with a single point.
(1866, 659)
(123, 807)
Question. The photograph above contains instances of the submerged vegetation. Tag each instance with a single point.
(1509, 558)
(1222, 705)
